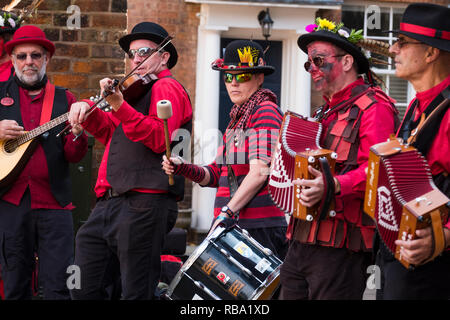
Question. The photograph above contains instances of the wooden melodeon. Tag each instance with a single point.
(297, 147)
(401, 196)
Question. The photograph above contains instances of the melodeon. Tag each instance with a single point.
(297, 147)
(401, 196)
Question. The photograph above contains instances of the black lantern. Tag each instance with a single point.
(266, 23)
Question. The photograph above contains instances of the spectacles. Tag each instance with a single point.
(34, 56)
(401, 42)
(319, 61)
(240, 77)
(141, 52)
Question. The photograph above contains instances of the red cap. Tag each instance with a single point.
(30, 34)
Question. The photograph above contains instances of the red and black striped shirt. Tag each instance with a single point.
(256, 142)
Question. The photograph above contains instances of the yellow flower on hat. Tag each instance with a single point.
(246, 55)
(326, 24)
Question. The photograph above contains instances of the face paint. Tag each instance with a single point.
(325, 76)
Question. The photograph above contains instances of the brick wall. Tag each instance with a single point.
(87, 53)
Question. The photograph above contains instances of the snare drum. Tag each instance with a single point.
(227, 265)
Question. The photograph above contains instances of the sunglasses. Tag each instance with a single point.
(402, 42)
(240, 77)
(141, 52)
(318, 61)
(34, 56)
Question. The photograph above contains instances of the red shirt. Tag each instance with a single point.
(377, 123)
(261, 135)
(5, 70)
(35, 174)
(438, 156)
(146, 129)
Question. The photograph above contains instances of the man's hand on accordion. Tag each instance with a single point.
(313, 189)
(419, 249)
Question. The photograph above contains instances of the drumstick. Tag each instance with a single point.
(164, 112)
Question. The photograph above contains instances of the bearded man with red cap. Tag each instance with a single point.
(422, 56)
(35, 204)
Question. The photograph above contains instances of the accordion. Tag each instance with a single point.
(297, 147)
(401, 196)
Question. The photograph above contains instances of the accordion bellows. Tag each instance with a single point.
(297, 147)
(401, 196)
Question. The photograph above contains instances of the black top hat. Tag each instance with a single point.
(153, 32)
(245, 56)
(9, 22)
(427, 23)
(338, 38)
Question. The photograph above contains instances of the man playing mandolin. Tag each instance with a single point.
(35, 204)
(126, 229)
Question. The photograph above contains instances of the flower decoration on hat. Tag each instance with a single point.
(9, 21)
(323, 24)
(247, 56)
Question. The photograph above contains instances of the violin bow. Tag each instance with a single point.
(161, 46)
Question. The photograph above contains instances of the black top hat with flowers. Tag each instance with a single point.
(427, 23)
(245, 56)
(9, 22)
(337, 34)
(153, 32)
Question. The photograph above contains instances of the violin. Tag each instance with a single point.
(132, 85)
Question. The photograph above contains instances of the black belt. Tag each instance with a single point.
(110, 193)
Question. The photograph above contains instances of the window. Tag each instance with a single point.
(361, 17)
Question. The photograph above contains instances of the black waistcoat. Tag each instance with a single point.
(132, 165)
(58, 167)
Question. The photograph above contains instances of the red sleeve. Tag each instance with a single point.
(377, 123)
(149, 129)
(100, 124)
(438, 156)
(74, 151)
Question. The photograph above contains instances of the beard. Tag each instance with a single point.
(31, 78)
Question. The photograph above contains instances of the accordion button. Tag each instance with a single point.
(309, 217)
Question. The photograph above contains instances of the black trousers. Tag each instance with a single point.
(24, 232)
(122, 236)
(313, 272)
(428, 281)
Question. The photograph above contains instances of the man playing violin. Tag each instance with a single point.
(126, 229)
(35, 206)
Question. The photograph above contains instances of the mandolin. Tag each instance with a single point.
(15, 153)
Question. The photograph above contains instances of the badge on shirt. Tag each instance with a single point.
(7, 101)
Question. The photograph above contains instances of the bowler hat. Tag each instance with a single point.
(30, 34)
(153, 32)
(427, 23)
(245, 56)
